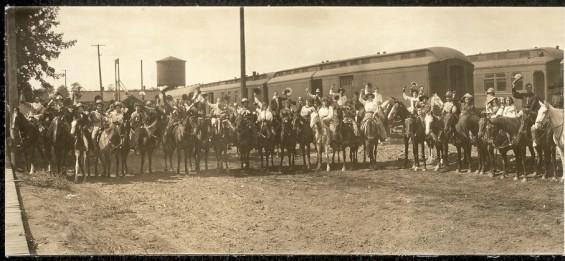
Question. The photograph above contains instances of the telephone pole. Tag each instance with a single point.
(242, 51)
(142, 76)
(100, 70)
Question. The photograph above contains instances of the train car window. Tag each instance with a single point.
(501, 84)
(540, 53)
(519, 84)
(524, 54)
(346, 82)
(489, 81)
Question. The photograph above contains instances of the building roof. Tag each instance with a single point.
(171, 59)
(88, 96)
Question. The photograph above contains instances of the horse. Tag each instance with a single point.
(415, 132)
(221, 137)
(450, 136)
(485, 147)
(545, 149)
(266, 142)
(59, 137)
(321, 140)
(82, 144)
(245, 139)
(350, 136)
(287, 140)
(304, 137)
(467, 129)
(146, 143)
(108, 142)
(336, 138)
(201, 130)
(29, 138)
(433, 131)
(396, 114)
(124, 147)
(169, 144)
(515, 141)
(555, 117)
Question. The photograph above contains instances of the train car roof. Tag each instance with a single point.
(533, 56)
(374, 66)
(401, 59)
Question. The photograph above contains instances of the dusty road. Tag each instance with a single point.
(384, 211)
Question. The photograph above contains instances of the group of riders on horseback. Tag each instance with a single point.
(193, 124)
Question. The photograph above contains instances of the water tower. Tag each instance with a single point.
(171, 72)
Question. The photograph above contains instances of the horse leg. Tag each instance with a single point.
(343, 154)
(523, 163)
(150, 159)
(539, 163)
(458, 158)
(415, 148)
(504, 163)
(406, 151)
(326, 148)
(77, 163)
(438, 155)
(532, 152)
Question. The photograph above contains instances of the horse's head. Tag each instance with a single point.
(542, 114)
(429, 119)
(449, 121)
(485, 128)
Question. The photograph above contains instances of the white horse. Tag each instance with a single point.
(555, 117)
(321, 139)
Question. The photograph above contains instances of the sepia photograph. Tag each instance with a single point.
(283, 130)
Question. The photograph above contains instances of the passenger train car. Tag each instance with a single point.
(438, 69)
(542, 67)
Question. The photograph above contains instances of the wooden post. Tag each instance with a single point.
(12, 93)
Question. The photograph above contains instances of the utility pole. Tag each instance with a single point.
(117, 78)
(242, 51)
(100, 71)
(142, 76)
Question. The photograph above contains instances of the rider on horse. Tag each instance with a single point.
(449, 105)
(530, 103)
(97, 119)
(263, 111)
(413, 100)
(340, 97)
(374, 111)
(138, 118)
(219, 113)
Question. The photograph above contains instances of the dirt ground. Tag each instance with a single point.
(383, 211)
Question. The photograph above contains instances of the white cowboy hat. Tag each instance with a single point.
(118, 104)
(467, 95)
(517, 76)
(490, 90)
(244, 100)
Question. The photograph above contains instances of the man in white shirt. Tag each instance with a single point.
(116, 116)
(341, 97)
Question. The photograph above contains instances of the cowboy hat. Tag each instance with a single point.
(448, 94)
(467, 95)
(517, 76)
(58, 97)
(244, 100)
(318, 90)
(490, 90)
(341, 90)
(370, 95)
(421, 98)
(78, 105)
(118, 103)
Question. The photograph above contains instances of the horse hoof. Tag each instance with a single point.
(491, 175)
(543, 177)
(436, 168)
(515, 178)
(343, 169)
(524, 179)
(502, 176)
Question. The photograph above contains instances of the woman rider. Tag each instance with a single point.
(372, 110)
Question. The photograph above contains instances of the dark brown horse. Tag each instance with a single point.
(304, 138)
(147, 141)
(516, 141)
(59, 136)
(414, 131)
(29, 137)
(245, 139)
(396, 114)
(222, 136)
(201, 130)
(107, 145)
(451, 136)
(287, 140)
(467, 129)
(169, 144)
(485, 147)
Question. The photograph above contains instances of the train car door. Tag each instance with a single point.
(457, 80)
(316, 84)
(539, 84)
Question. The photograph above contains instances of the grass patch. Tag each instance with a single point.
(47, 181)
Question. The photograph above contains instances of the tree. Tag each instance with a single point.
(36, 45)
(76, 87)
(63, 91)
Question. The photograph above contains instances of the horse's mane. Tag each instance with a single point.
(511, 125)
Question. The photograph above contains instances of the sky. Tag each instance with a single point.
(282, 37)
